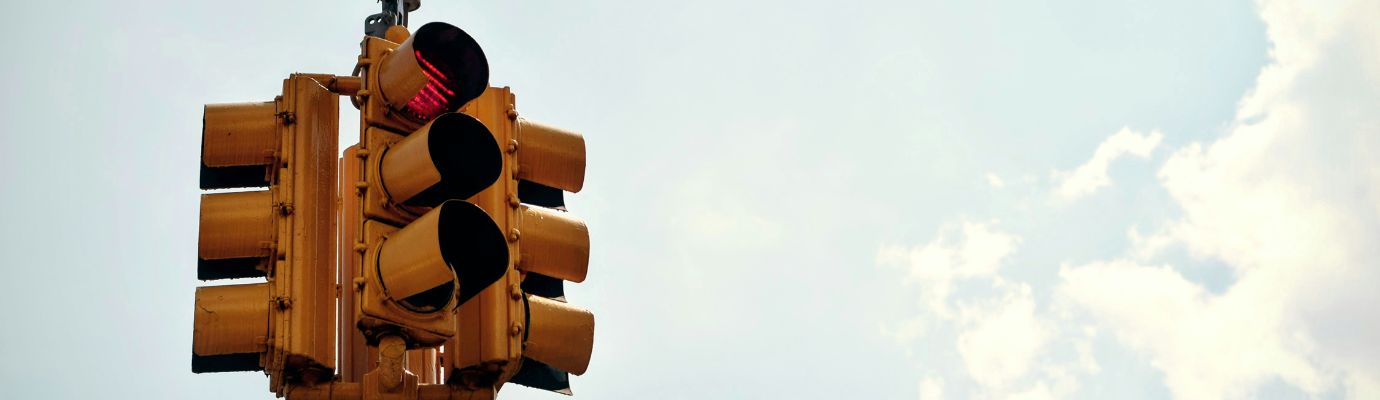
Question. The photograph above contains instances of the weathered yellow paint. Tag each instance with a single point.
(236, 225)
(358, 391)
(290, 227)
(553, 243)
(353, 351)
(451, 157)
(488, 347)
(410, 260)
(561, 335)
(550, 156)
(304, 284)
(238, 134)
(230, 319)
(409, 170)
(490, 343)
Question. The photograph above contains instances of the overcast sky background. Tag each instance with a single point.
(890, 200)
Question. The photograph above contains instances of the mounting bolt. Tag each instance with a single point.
(515, 330)
(282, 303)
(515, 291)
(513, 235)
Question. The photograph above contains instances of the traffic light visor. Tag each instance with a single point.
(235, 235)
(436, 70)
(230, 327)
(452, 157)
(238, 141)
(456, 241)
(559, 335)
(554, 244)
(551, 156)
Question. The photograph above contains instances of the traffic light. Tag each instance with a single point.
(422, 249)
(282, 230)
(508, 334)
(453, 240)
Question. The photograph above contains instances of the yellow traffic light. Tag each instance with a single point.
(237, 234)
(239, 144)
(284, 232)
(505, 332)
(231, 326)
(422, 249)
(560, 335)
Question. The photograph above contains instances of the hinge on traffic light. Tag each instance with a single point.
(287, 116)
(284, 208)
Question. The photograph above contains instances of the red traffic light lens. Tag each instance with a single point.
(435, 71)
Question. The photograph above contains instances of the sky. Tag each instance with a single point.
(787, 199)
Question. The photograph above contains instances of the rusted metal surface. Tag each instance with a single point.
(356, 391)
(425, 364)
(392, 355)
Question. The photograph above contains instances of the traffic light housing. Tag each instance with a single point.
(423, 249)
(453, 240)
(507, 334)
(284, 230)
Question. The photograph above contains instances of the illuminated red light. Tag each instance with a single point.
(436, 97)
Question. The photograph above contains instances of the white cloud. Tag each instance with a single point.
(932, 388)
(1207, 346)
(995, 181)
(999, 334)
(1288, 199)
(936, 266)
(1092, 175)
(1003, 339)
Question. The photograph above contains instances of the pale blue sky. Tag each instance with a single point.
(992, 199)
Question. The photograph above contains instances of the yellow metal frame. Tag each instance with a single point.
(488, 348)
(303, 280)
(379, 313)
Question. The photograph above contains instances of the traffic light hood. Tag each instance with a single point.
(436, 70)
(453, 157)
